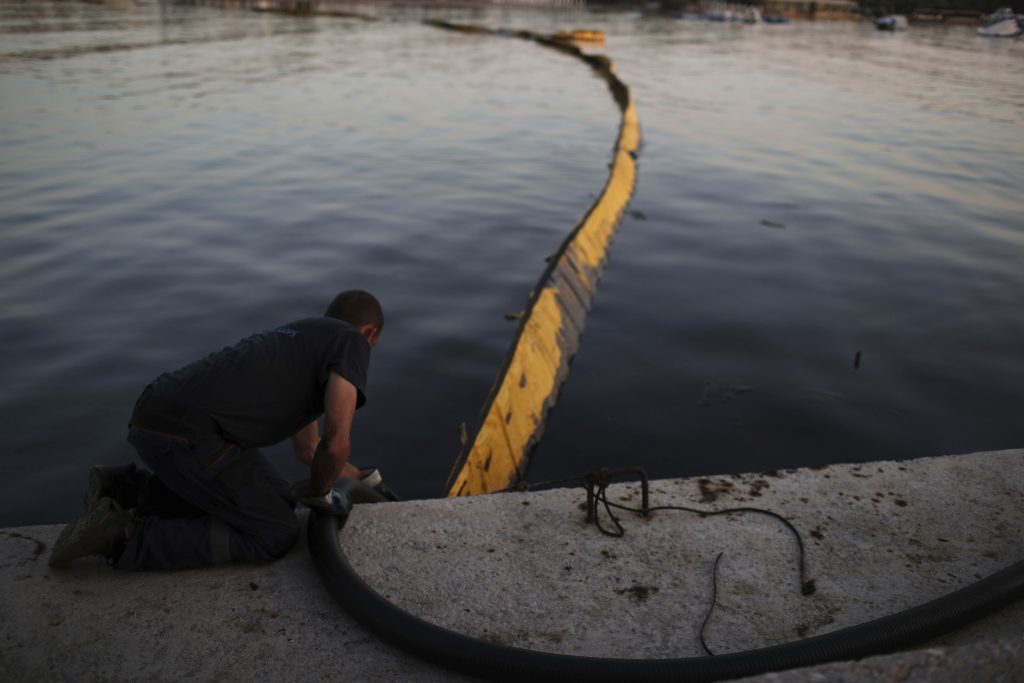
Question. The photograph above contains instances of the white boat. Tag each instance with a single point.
(752, 15)
(729, 12)
(1001, 24)
(892, 22)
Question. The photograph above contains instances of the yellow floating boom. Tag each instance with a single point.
(512, 421)
(580, 36)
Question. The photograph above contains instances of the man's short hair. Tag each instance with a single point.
(358, 308)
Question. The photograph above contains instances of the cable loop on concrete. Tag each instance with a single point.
(807, 586)
(596, 484)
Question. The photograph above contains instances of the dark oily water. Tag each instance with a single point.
(825, 261)
(164, 200)
(173, 179)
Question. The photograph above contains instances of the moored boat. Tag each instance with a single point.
(892, 22)
(1002, 23)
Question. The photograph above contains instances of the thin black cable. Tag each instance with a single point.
(807, 586)
(714, 599)
(602, 496)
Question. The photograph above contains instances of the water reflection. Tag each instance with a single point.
(161, 202)
(165, 202)
(888, 165)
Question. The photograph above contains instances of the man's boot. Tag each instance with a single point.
(101, 532)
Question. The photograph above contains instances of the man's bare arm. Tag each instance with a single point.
(305, 442)
(331, 458)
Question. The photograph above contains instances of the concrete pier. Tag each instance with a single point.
(525, 569)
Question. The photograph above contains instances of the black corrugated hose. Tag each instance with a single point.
(500, 663)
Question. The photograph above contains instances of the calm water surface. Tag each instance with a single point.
(175, 178)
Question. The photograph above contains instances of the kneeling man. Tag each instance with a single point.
(212, 497)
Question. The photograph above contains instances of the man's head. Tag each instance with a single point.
(360, 309)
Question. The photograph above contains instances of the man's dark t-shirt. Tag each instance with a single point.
(270, 385)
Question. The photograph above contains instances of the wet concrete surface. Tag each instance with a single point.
(525, 569)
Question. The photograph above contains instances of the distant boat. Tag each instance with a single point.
(752, 15)
(737, 14)
(1002, 23)
(892, 22)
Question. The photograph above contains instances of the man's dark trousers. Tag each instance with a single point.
(239, 511)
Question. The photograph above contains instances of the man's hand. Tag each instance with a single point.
(304, 488)
(329, 503)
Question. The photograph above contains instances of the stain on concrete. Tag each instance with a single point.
(710, 490)
(638, 593)
(756, 486)
(817, 624)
